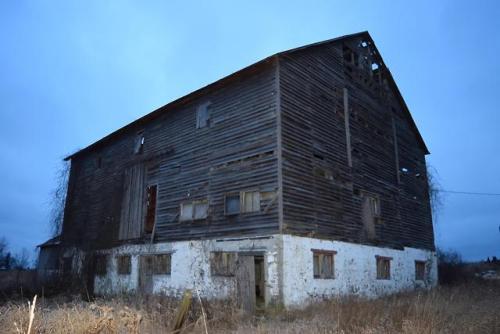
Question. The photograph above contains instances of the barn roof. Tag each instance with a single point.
(244, 72)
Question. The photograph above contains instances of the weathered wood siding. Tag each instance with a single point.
(322, 194)
(236, 152)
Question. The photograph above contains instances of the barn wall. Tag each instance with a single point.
(355, 270)
(236, 152)
(323, 194)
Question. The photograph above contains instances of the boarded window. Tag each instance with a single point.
(383, 267)
(194, 210)
(323, 264)
(151, 195)
(203, 115)
(139, 143)
(232, 204)
(223, 263)
(124, 263)
(101, 265)
(162, 264)
(419, 270)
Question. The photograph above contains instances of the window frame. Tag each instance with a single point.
(229, 267)
(193, 204)
(321, 254)
(383, 273)
(139, 142)
(157, 263)
(203, 115)
(127, 270)
(422, 272)
(242, 196)
(101, 262)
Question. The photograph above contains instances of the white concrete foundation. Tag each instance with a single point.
(288, 269)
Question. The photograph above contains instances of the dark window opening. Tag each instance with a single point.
(323, 264)
(383, 267)
(162, 264)
(223, 263)
(419, 270)
(124, 263)
(151, 195)
(99, 162)
(318, 156)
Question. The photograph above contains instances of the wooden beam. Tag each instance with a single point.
(347, 127)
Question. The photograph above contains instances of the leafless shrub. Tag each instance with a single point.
(434, 189)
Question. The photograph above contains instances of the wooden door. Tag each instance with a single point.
(146, 274)
(245, 279)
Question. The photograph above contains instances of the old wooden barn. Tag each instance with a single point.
(299, 177)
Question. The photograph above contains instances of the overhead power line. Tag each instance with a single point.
(468, 193)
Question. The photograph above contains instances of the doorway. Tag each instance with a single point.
(146, 274)
(250, 279)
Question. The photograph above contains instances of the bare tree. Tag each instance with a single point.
(434, 189)
(58, 198)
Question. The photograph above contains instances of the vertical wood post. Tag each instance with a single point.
(347, 127)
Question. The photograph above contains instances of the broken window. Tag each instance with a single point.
(124, 263)
(383, 267)
(194, 210)
(223, 263)
(203, 115)
(139, 143)
(244, 202)
(419, 270)
(162, 264)
(101, 264)
(151, 195)
(323, 265)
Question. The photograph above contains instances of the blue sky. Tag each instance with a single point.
(72, 72)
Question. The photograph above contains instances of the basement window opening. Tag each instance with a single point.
(223, 264)
(383, 267)
(124, 263)
(323, 264)
(162, 264)
(101, 265)
(419, 270)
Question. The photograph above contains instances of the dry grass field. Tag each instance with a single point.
(467, 308)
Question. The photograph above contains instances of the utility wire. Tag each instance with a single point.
(468, 193)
